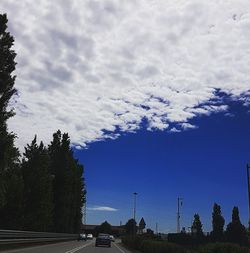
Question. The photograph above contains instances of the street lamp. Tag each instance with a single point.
(179, 203)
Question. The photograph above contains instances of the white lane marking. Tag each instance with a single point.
(78, 248)
(119, 248)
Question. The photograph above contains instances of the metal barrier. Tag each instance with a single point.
(8, 237)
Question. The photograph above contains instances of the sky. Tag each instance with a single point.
(155, 96)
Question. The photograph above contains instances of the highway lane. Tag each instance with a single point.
(72, 247)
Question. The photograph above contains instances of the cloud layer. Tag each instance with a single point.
(102, 208)
(95, 69)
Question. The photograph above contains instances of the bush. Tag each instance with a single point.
(223, 248)
(187, 239)
(145, 245)
(133, 242)
(149, 246)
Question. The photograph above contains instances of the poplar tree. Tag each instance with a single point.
(37, 203)
(10, 176)
(197, 228)
(69, 187)
(235, 231)
(218, 223)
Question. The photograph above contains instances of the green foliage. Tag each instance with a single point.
(145, 245)
(197, 226)
(69, 187)
(12, 210)
(105, 228)
(8, 153)
(218, 223)
(131, 227)
(222, 248)
(37, 188)
(10, 177)
(151, 246)
(183, 239)
(7, 66)
(235, 231)
(149, 231)
(142, 224)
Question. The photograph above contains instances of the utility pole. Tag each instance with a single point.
(179, 203)
(135, 193)
(248, 185)
(156, 228)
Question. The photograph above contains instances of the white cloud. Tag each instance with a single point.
(102, 208)
(187, 126)
(92, 67)
(175, 130)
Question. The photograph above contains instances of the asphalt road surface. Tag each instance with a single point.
(72, 247)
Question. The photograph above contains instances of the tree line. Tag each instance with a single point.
(235, 230)
(44, 189)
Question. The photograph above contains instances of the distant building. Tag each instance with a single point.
(91, 229)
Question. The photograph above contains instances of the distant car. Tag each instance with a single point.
(112, 238)
(82, 237)
(89, 236)
(103, 240)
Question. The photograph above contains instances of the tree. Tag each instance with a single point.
(197, 226)
(69, 187)
(38, 197)
(131, 227)
(149, 231)
(235, 231)
(11, 213)
(7, 66)
(105, 228)
(10, 177)
(142, 224)
(218, 223)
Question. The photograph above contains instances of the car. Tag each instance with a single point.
(103, 240)
(82, 237)
(112, 238)
(89, 236)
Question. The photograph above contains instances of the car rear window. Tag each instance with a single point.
(103, 236)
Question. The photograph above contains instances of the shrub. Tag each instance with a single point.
(150, 246)
(223, 248)
(145, 245)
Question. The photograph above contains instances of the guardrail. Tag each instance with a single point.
(9, 237)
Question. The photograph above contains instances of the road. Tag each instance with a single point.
(72, 247)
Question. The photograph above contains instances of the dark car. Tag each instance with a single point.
(82, 237)
(103, 240)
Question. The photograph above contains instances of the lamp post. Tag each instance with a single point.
(179, 203)
(135, 194)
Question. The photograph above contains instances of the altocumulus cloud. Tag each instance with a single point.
(102, 208)
(96, 69)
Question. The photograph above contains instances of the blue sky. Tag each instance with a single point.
(203, 165)
(155, 105)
